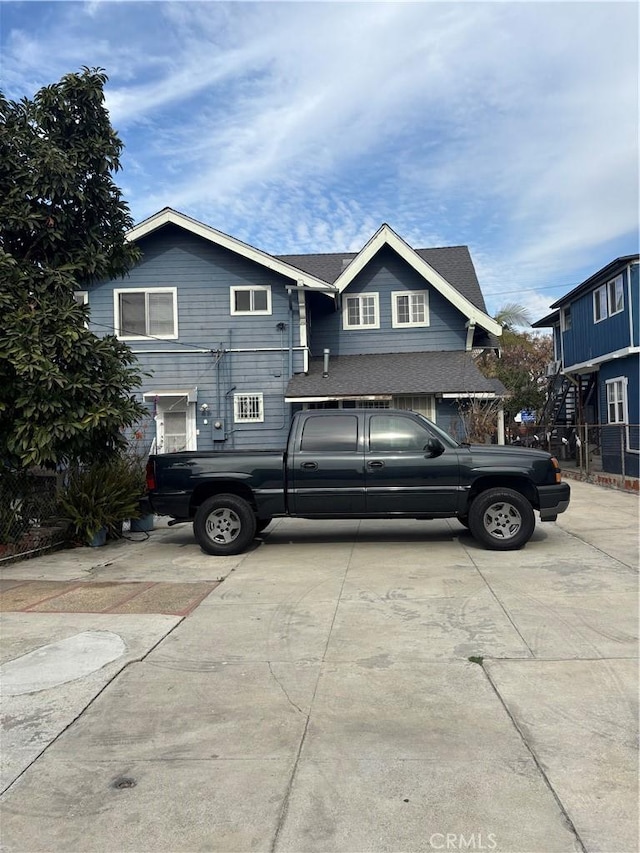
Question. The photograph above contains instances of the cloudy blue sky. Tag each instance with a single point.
(511, 127)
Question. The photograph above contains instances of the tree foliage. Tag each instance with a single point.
(65, 393)
(513, 314)
(521, 367)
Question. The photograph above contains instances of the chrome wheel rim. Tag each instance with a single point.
(502, 520)
(223, 526)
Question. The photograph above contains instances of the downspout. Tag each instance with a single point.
(281, 327)
(228, 402)
(631, 327)
(290, 333)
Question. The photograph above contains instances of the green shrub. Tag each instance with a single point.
(101, 495)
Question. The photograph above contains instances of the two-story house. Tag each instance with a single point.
(235, 339)
(594, 378)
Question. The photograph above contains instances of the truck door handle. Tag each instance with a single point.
(310, 466)
(375, 464)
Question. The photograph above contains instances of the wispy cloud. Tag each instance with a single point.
(511, 127)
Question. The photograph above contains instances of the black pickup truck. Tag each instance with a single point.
(359, 463)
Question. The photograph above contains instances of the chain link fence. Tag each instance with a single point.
(588, 448)
(28, 513)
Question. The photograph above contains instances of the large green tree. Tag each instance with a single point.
(65, 393)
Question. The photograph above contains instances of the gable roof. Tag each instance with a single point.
(459, 285)
(449, 269)
(168, 216)
(452, 262)
(385, 374)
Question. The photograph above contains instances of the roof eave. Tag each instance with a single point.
(168, 216)
(604, 273)
(386, 235)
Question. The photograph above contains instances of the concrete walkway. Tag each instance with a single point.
(348, 686)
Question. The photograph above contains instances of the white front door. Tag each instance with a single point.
(175, 424)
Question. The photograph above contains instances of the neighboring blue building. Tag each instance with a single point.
(594, 378)
(235, 339)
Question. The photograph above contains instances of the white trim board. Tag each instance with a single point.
(387, 236)
(593, 363)
(169, 216)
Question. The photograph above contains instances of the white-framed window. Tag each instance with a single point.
(248, 408)
(600, 304)
(410, 308)
(146, 313)
(615, 292)
(251, 300)
(82, 298)
(361, 312)
(565, 318)
(608, 299)
(425, 405)
(617, 400)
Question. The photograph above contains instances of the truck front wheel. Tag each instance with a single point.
(224, 525)
(502, 519)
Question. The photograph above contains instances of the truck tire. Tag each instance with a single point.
(224, 525)
(502, 519)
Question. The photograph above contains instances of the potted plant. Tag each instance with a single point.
(96, 498)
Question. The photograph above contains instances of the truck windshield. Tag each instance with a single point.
(444, 437)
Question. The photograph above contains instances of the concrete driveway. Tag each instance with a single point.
(365, 686)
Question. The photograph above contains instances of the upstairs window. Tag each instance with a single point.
(248, 408)
(566, 319)
(599, 304)
(616, 295)
(617, 401)
(410, 309)
(251, 300)
(81, 297)
(361, 312)
(608, 299)
(151, 313)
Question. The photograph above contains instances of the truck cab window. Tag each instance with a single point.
(332, 433)
(393, 433)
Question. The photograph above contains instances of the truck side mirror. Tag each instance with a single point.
(433, 447)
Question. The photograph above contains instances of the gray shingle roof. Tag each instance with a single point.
(452, 262)
(412, 373)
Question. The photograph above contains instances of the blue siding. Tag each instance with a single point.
(386, 273)
(222, 354)
(635, 304)
(448, 418)
(203, 275)
(620, 442)
(587, 339)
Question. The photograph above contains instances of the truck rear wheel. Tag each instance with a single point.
(224, 525)
(502, 519)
